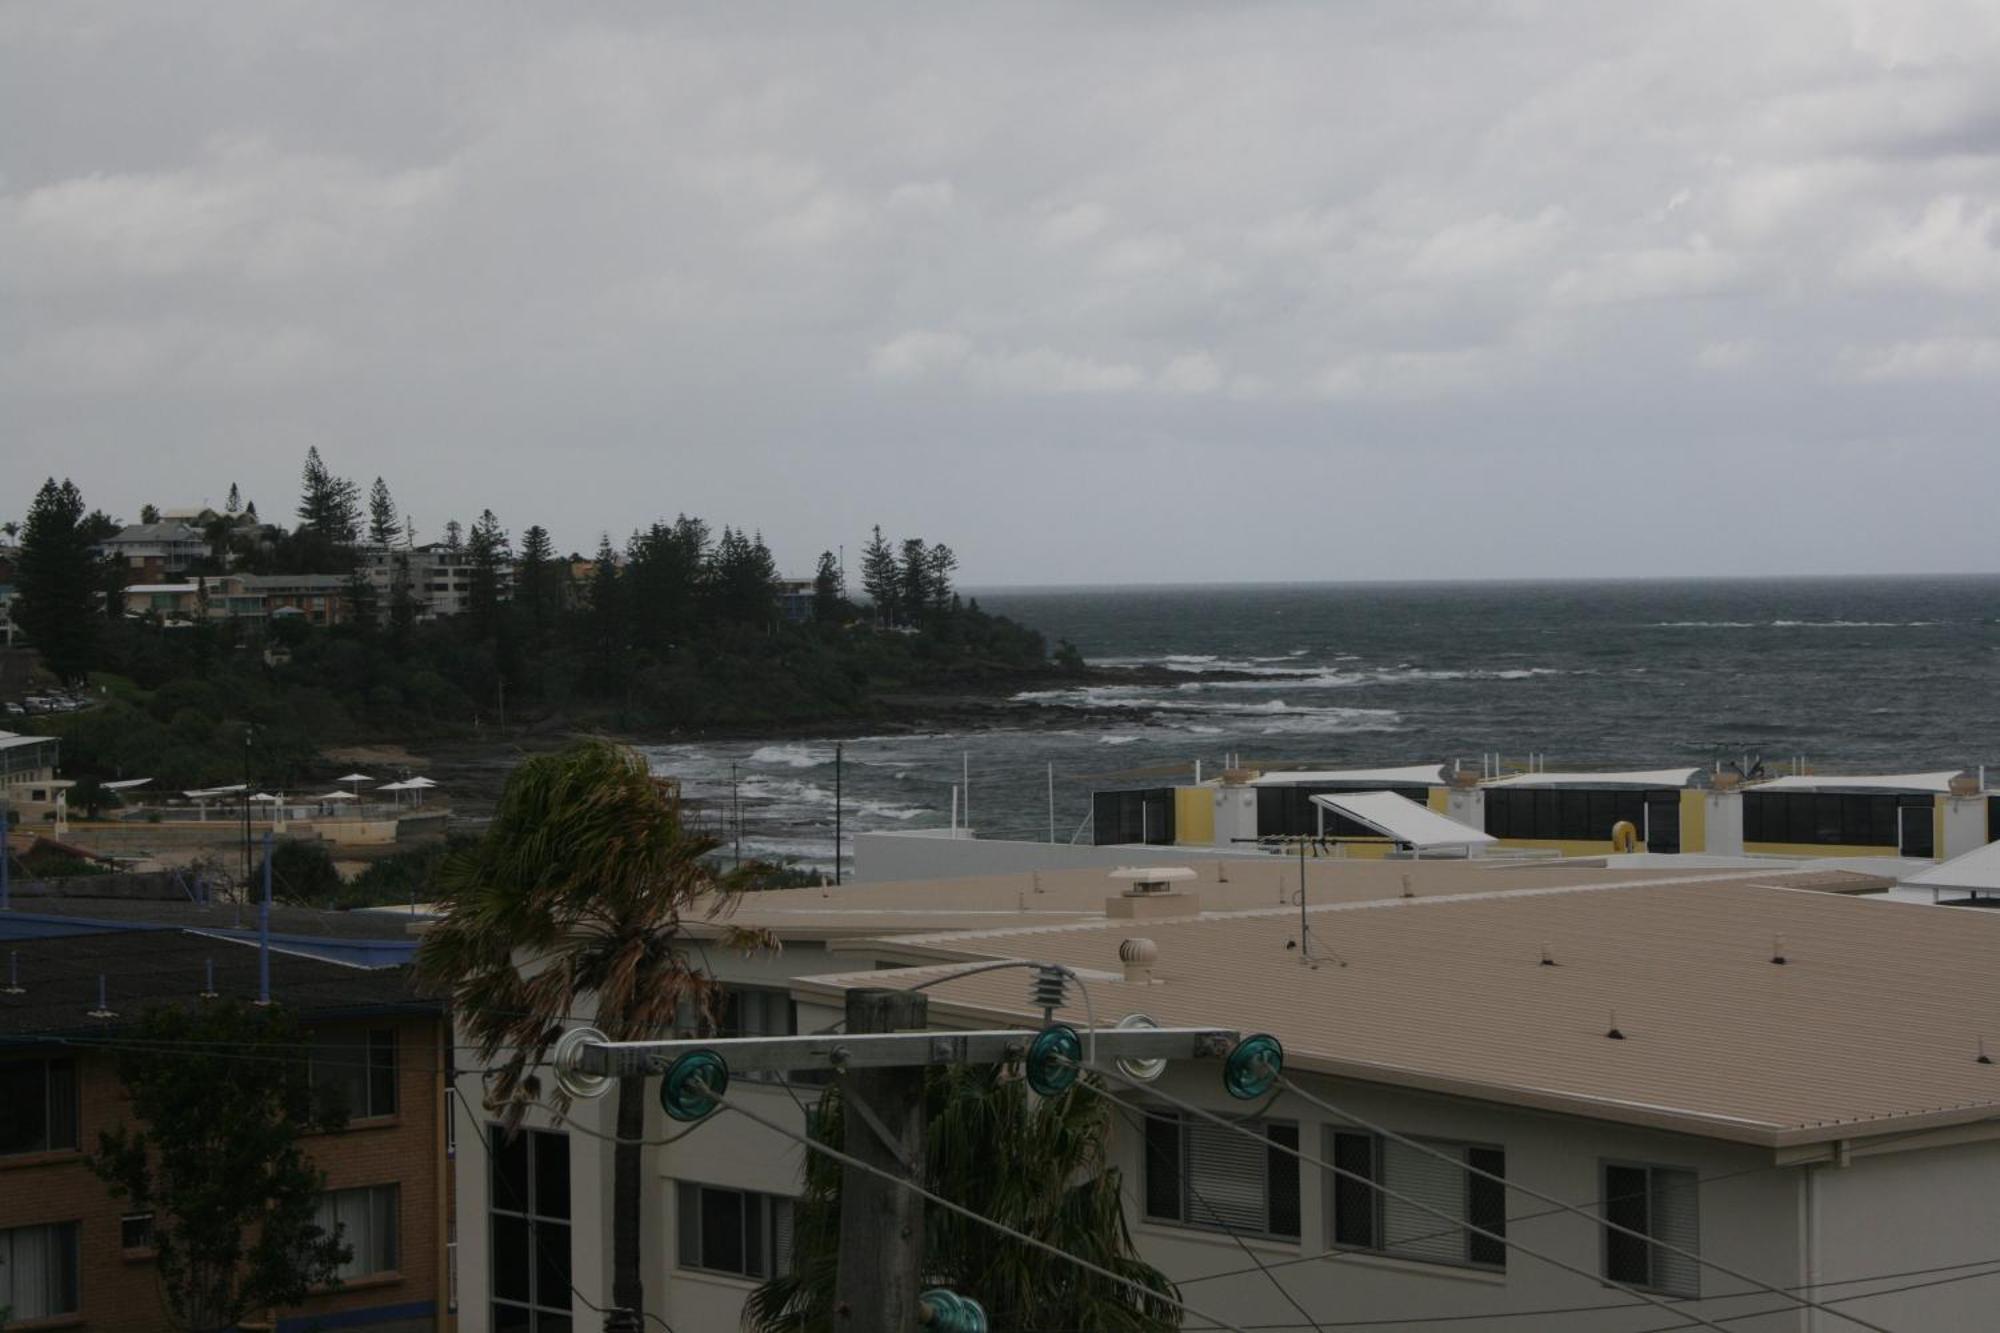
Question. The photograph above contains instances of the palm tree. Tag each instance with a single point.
(573, 902)
(1057, 1187)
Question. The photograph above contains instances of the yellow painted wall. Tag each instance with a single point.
(1440, 800)
(1937, 827)
(1194, 816)
(1694, 821)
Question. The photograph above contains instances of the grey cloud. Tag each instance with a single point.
(1076, 289)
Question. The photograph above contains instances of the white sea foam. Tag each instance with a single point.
(790, 756)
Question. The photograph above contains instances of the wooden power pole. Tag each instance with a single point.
(881, 1225)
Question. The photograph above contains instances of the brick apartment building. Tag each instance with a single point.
(73, 1257)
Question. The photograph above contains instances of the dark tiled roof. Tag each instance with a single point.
(58, 978)
(285, 920)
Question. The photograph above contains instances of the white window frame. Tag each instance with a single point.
(1682, 1276)
(771, 1215)
(1400, 1230)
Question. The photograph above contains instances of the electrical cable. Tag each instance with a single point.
(1439, 1213)
(479, 1134)
(847, 1160)
(1804, 1302)
(1233, 1233)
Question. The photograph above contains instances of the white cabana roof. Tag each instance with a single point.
(1977, 871)
(1655, 777)
(125, 784)
(1415, 775)
(354, 777)
(396, 786)
(214, 791)
(1911, 782)
(1402, 819)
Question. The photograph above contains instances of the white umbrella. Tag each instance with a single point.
(265, 798)
(419, 784)
(356, 778)
(337, 796)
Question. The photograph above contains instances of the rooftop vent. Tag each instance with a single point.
(1150, 892)
(1138, 956)
(1965, 786)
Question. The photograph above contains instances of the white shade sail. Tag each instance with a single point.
(1402, 819)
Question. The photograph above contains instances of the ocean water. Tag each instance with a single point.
(1862, 675)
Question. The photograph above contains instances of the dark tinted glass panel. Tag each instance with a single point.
(509, 1155)
(552, 1323)
(722, 1230)
(512, 1319)
(1163, 1167)
(1663, 822)
(1281, 1169)
(510, 1258)
(1626, 1256)
(1132, 816)
(689, 1225)
(756, 1228)
(1918, 831)
(1354, 1211)
(382, 1072)
(24, 1106)
(552, 1265)
(1486, 1207)
(551, 1175)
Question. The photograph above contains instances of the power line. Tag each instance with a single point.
(1605, 1222)
(813, 1145)
(1440, 1214)
(479, 1133)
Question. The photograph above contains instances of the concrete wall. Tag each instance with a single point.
(881, 858)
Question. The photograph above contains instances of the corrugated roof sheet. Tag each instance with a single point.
(1912, 782)
(1415, 775)
(1871, 1025)
(1657, 777)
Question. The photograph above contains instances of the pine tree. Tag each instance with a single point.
(536, 590)
(383, 525)
(149, 514)
(913, 577)
(490, 557)
(57, 579)
(879, 578)
(941, 565)
(829, 590)
(234, 503)
(329, 506)
(607, 626)
(454, 535)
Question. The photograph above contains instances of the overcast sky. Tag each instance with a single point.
(1113, 292)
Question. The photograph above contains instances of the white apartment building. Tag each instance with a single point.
(440, 577)
(1795, 1091)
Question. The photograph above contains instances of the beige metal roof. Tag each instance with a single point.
(1872, 1025)
(1070, 897)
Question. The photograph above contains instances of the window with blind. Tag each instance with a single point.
(37, 1106)
(1659, 1203)
(38, 1271)
(1201, 1174)
(1391, 1197)
(365, 1221)
(738, 1232)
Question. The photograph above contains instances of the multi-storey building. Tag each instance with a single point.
(438, 576)
(1763, 1068)
(72, 1256)
(153, 552)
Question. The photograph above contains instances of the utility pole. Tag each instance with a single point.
(1052, 801)
(736, 813)
(245, 881)
(881, 1226)
(837, 757)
